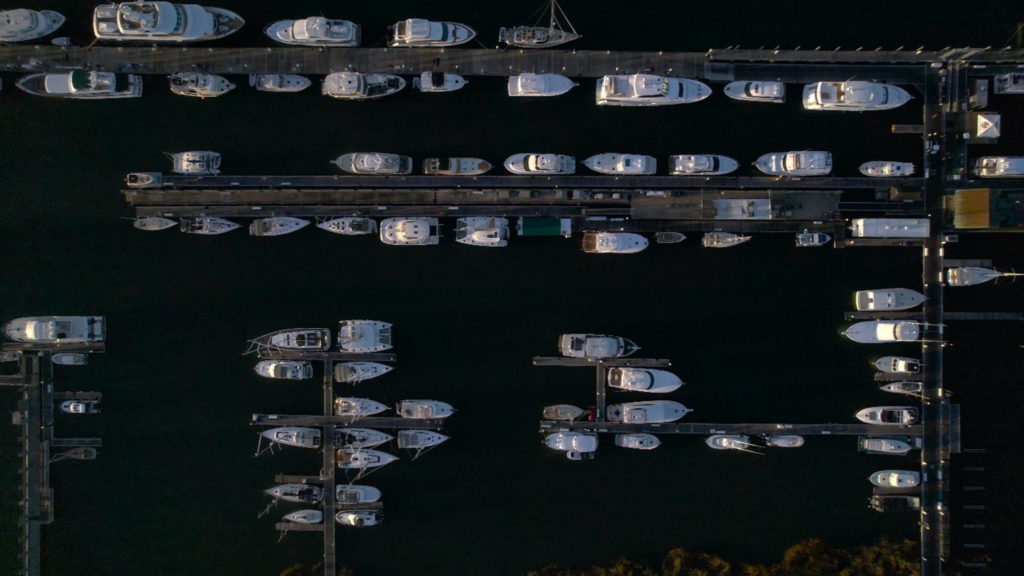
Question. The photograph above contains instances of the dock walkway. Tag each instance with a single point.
(548, 426)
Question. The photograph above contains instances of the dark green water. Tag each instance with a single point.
(753, 331)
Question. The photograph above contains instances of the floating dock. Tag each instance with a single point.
(549, 426)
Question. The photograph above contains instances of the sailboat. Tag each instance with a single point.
(540, 36)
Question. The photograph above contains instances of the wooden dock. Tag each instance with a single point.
(919, 315)
(600, 362)
(702, 429)
(395, 423)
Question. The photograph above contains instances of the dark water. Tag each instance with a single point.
(753, 331)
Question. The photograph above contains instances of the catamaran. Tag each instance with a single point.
(482, 231)
(535, 36)
(576, 445)
(364, 336)
(410, 231)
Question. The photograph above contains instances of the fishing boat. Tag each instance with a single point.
(298, 493)
(771, 92)
(304, 517)
(887, 299)
(374, 163)
(784, 440)
(536, 36)
(883, 445)
(886, 169)
(82, 85)
(285, 369)
(613, 243)
(455, 166)
(80, 407)
(595, 346)
(199, 85)
(358, 519)
(701, 165)
(881, 331)
(643, 380)
(419, 33)
(622, 164)
(903, 415)
(637, 441)
(315, 31)
(895, 479)
(57, 329)
(359, 86)
(807, 239)
(649, 90)
(853, 95)
(70, 359)
(722, 239)
(482, 231)
(364, 336)
(296, 436)
(532, 85)
(576, 445)
(357, 407)
(969, 276)
(410, 231)
(909, 388)
(802, 163)
(279, 82)
(355, 494)
(301, 339)
(361, 458)
(349, 225)
(563, 412)
(195, 162)
(652, 411)
(22, 25)
(163, 22)
(438, 82)
(356, 372)
(669, 237)
(898, 365)
(360, 437)
(533, 164)
(276, 226)
(728, 441)
(424, 409)
(999, 167)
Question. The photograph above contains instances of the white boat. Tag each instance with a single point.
(882, 445)
(622, 164)
(357, 407)
(701, 165)
(285, 369)
(364, 336)
(574, 444)
(566, 412)
(424, 409)
(22, 25)
(154, 223)
(304, 517)
(910, 388)
(63, 41)
(595, 346)
(419, 33)
(880, 331)
(357, 519)
(279, 82)
(651, 411)
(361, 458)
(410, 231)
(294, 436)
(999, 167)
(360, 437)
(82, 85)
(199, 85)
(10, 355)
(298, 493)
(438, 82)
(613, 243)
(853, 95)
(895, 479)
(303, 339)
(1011, 83)
(637, 441)
(886, 169)
(903, 415)
(728, 441)
(772, 92)
(57, 329)
(144, 179)
(535, 36)
(377, 163)
(315, 31)
(154, 22)
(356, 372)
(803, 163)
(669, 237)
(195, 162)
(649, 90)
(355, 494)
(276, 226)
(810, 239)
(529, 84)
(533, 164)
(482, 231)
(70, 359)
(643, 380)
(784, 440)
(968, 276)
(898, 365)
(722, 239)
(887, 299)
(349, 225)
(455, 166)
(359, 86)
(80, 406)
(419, 439)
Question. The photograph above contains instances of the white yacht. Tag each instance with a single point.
(349, 226)
(722, 239)
(701, 165)
(808, 239)
(853, 95)
(200, 85)
(455, 166)
(804, 163)
(649, 90)
(377, 163)
(57, 329)
(303, 339)
(298, 493)
(566, 412)
(887, 299)
(968, 276)
(574, 444)
(285, 369)
(357, 407)
(82, 85)
(535, 36)
(886, 169)
(419, 33)
(360, 437)
(529, 84)
(771, 92)
(622, 164)
(355, 494)
(999, 167)
(595, 346)
(361, 458)
(903, 415)
(882, 445)
(425, 409)
(294, 436)
(898, 365)
(154, 22)
(276, 226)
(784, 440)
(304, 517)
(279, 82)
(881, 331)
(482, 231)
(195, 162)
(637, 441)
(909, 388)
(154, 223)
(648, 412)
(207, 225)
(80, 406)
(315, 31)
(728, 441)
(356, 372)
(419, 439)
(410, 231)
(895, 478)
(70, 359)
(364, 336)
(438, 82)
(534, 164)
(357, 519)
(359, 86)
(22, 25)
(643, 380)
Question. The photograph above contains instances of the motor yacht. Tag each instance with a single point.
(803, 163)
(969, 276)
(565, 412)
(163, 22)
(57, 329)
(361, 458)
(529, 84)
(728, 441)
(895, 479)
(438, 82)
(722, 239)
(455, 166)
(200, 85)
(298, 493)
(909, 388)
(576, 445)
(315, 31)
(880, 331)
(376, 163)
(80, 407)
(887, 299)
(355, 494)
(410, 231)
(882, 445)
(154, 223)
(999, 167)
(349, 226)
(359, 86)
(302, 339)
(648, 412)
(595, 346)
(898, 365)
(535, 36)
(279, 82)
(424, 409)
(195, 162)
(637, 441)
(771, 92)
(294, 436)
(285, 369)
(419, 33)
(22, 25)
(357, 407)
(807, 239)
(358, 519)
(82, 85)
(70, 359)
(276, 226)
(784, 440)
(144, 179)
(356, 372)
(419, 439)
(622, 164)
(649, 90)
(903, 415)
(886, 169)
(701, 165)
(304, 517)
(853, 95)
(533, 164)
(364, 336)
(207, 225)
(482, 231)
(360, 437)
(643, 380)
(669, 237)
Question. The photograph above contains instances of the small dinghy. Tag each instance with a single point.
(305, 517)
(357, 407)
(438, 82)
(360, 438)
(722, 240)
(276, 226)
(80, 406)
(909, 388)
(70, 359)
(564, 412)
(154, 223)
(279, 82)
(200, 85)
(356, 372)
(784, 441)
(669, 237)
(349, 226)
(807, 239)
(638, 441)
(883, 169)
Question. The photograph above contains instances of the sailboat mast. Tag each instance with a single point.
(552, 24)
